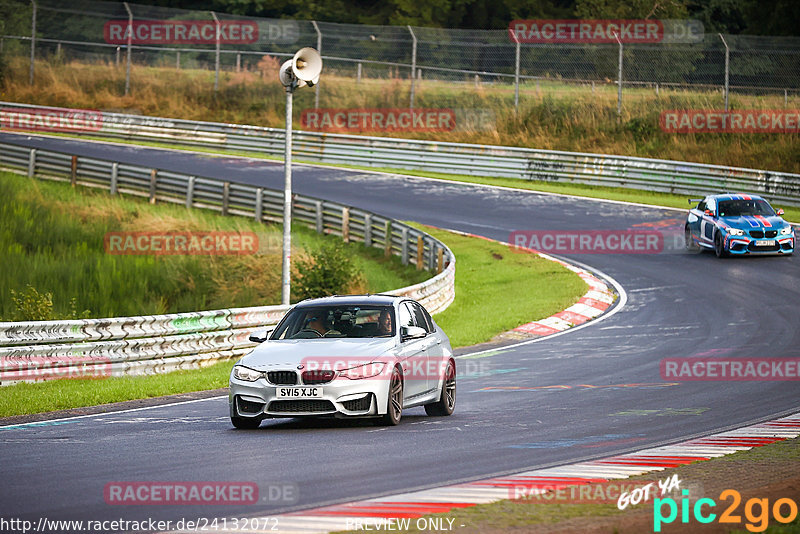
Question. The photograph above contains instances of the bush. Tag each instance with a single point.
(32, 306)
(329, 271)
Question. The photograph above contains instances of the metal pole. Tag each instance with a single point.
(516, 78)
(216, 54)
(33, 41)
(727, 70)
(130, 43)
(319, 49)
(358, 76)
(287, 202)
(619, 77)
(413, 64)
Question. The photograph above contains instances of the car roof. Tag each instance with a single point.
(735, 196)
(351, 300)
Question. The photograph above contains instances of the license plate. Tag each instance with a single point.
(300, 393)
(765, 243)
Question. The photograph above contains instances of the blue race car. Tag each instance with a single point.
(737, 224)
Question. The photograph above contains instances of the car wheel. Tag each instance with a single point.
(719, 247)
(246, 423)
(394, 408)
(691, 246)
(447, 401)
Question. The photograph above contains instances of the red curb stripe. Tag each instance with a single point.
(538, 329)
(600, 305)
(572, 317)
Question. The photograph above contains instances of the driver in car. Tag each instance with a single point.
(321, 326)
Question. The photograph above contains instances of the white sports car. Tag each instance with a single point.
(346, 356)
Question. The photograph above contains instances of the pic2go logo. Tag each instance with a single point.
(757, 522)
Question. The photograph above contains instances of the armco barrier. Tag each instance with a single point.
(31, 351)
(455, 158)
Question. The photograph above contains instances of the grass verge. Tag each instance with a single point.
(496, 290)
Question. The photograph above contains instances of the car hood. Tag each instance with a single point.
(748, 222)
(294, 352)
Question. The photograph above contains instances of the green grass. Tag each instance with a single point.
(497, 289)
(73, 393)
(51, 238)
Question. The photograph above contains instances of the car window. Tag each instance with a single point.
(736, 208)
(421, 317)
(406, 318)
(348, 321)
(711, 204)
(702, 205)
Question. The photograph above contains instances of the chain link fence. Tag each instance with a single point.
(93, 31)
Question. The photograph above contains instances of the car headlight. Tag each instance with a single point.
(786, 231)
(736, 231)
(245, 373)
(368, 370)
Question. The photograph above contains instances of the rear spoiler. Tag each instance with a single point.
(694, 200)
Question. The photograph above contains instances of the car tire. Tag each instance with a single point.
(719, 246)
(447, 399)
(394, 404)
(691, 246)
(245, 423)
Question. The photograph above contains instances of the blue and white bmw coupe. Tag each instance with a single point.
(738, 224)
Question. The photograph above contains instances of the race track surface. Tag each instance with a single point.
(611, 397)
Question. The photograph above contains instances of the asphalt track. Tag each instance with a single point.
(610, 396)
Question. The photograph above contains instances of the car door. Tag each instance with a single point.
(707, 223)
(413, 355)
(434, 347)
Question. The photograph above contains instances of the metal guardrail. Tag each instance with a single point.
(31, 351)
(456, 158)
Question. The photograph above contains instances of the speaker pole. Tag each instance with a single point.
(287, 201)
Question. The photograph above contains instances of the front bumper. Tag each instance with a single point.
(341, 398)
(743, 245)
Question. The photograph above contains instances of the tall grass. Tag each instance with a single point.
(51, 239)
(552, 115)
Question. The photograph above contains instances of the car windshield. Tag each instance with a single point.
(735, 208)
(326, 322)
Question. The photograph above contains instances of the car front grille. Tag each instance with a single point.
(757, 233)
(358, 405)
(770, 233)
(282, 378)
(301, 406)
(318, 376)
(753, 248)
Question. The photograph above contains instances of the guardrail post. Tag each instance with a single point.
(153, 178)
(73, 174)
(404, 245)
(190, 192)
(367, 230)
(238, 62)
(114, 178)
(387, 239)
(226, 196)
(32, 163)
(259, 211)
(33, 41)
(358, 73)
(178, 60)
(439, 260)
(420, 252)
(320, 217)
(346, 224)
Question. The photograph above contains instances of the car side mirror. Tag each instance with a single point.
(260, 336)
(779, 212)
(710, 213)
(412, 332)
